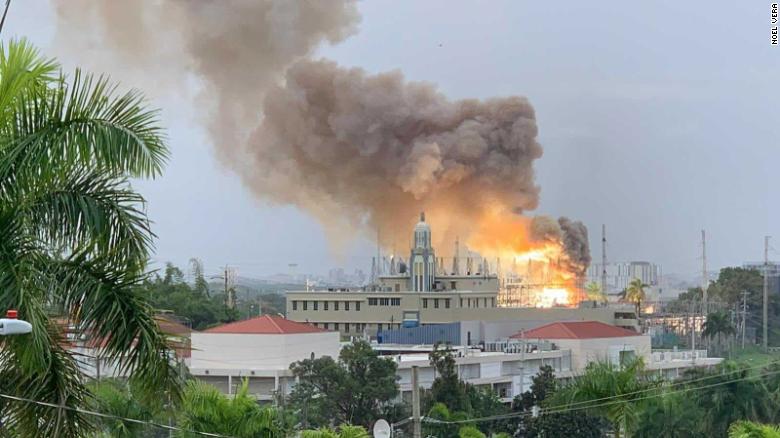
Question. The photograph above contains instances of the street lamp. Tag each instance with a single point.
(11, 325)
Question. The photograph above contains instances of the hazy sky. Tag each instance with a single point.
(657, 118)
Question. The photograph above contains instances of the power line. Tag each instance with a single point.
(113, 417)
(574, 406)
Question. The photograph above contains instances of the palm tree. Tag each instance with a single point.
(621, 385)
(747, 429)
(345, 431)
(594, 292)
(717, 325)
(74, 237)
(635, 293)
(205, 409)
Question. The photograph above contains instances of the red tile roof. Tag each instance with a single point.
(576, 330)
(266, 325)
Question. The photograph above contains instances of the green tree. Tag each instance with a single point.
(670, 416)
(352, 390)
(74, 237)
(718, 324)
(732, 394)
(115, 398)
(469, 431)
(205, 409)
(619, 385)
(566, 424)
(344, 431)
(543, 384)
(447, 388)
(171, 293)
(635, 293)
(747, 429)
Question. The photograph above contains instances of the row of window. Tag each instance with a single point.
(474, 302)
(384, 301)
(436, 302)
(349, 327)
(326, 305)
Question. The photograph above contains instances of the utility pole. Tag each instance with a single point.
(704, 279)
(604, 259)
(744, 316)
(693, 329)
(416, 426)
(766, 293)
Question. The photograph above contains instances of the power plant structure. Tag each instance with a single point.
(428, 290)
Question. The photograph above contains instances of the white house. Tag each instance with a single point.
(260, 350)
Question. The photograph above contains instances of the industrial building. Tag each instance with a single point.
(424, 293)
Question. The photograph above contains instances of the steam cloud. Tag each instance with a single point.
(353, 149)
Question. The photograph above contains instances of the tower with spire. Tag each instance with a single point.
(422, 261)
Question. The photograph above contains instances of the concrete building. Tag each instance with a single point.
(508, 366)
(425, 293)
(259, 349)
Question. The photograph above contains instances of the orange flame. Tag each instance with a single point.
(537, 274)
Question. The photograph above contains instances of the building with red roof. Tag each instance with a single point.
(260, 350)
(591, 341)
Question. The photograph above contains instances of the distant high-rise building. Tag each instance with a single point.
(620, 274)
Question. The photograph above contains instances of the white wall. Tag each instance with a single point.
(584, 351)
(260, 352)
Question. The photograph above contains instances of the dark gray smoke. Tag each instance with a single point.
(572, 235)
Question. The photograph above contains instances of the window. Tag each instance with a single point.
(316, 305)
(305, 305)
(461, 302)
(379, 327)
(327, 324)
(396, 302)
(295, 305)
(336, 326)
(325, 305)
(492, 302)
(447, 303)
(435, 303)
(397, 287)
(346, 327)
(384, 301)
(372, 301)
(335, 305)
(346, 305)
(484, 302)
(425, 303)
(357, 306)
(453, 285)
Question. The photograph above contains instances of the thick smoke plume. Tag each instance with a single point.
(358, 151)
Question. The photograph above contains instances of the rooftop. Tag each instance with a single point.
(266, 325)
(575, 330)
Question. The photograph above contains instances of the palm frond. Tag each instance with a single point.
(84, 122)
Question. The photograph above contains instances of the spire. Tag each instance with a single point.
(422, 216)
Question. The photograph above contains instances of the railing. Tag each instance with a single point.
(681, 355)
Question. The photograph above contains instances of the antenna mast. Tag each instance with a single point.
(604, 259)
